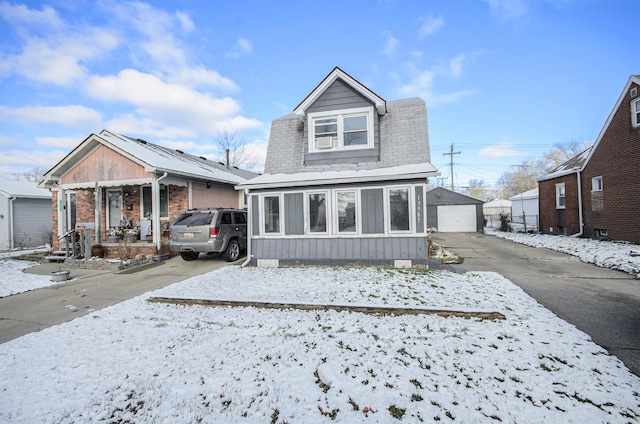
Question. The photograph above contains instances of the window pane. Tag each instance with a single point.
(326, 126)
(355, 138)
(164, 201)
(346, 212)
(317, 213)
(271, 214)
(399, 209)
(355, 123)
(146, 202)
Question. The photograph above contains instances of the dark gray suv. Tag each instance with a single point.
(220, 230)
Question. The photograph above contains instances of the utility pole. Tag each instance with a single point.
(451, 153)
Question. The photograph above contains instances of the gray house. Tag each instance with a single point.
(25, 215)
(344, 181)
(451, 212)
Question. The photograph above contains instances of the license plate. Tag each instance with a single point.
(188, 235)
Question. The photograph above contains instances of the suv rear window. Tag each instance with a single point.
(194, 219)
(226, 218)
(240, 217)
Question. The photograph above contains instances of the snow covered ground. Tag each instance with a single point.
(607, 254)
(149, 362)
(13, 280)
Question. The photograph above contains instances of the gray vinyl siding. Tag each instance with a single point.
(336, 97)
(342, 251)
(372, 211)
(293, 214)
(255, 216)
(419, 209)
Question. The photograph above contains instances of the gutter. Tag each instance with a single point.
(11, 226)
(249, 231)
(156, 212)
(579, 233)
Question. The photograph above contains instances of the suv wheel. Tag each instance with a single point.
(233, 251)
(189, 256)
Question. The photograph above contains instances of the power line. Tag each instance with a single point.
(451, 153)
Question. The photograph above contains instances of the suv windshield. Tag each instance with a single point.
(196, 219)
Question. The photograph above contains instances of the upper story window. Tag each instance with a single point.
(635, 113)
(596, 184)
(341, 130)
(560, 196)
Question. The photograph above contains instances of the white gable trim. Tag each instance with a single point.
(330, 79)
(632, 79)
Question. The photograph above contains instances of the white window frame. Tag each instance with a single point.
(336, 217)
(561, 194)
(635, 113)
(596, 184)
(340, 115)
(388, 210)
(280, 215)
(327, 212)
(149, 188)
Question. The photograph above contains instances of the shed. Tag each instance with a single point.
(451, 212)
(493, 210)
(524, 211)
(25, 215)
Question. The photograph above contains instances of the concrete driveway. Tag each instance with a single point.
(90, 290)
(603, 303)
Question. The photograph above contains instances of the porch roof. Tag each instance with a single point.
(301, 179)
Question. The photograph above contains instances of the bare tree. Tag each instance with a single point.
(238, 153)
(33, 175)
(478, 189)
(524, 177)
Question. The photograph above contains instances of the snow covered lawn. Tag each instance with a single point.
(606, 254)
(147, 362)
(12, 278)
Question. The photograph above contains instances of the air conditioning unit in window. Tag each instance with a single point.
(325, 142)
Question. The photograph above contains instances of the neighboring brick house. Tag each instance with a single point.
(113, 181)
(345, 180)
(601, 185)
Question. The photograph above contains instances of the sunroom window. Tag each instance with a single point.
(271, 214)
(399, 216)
(317, 206)
(347, 211)
(337, 130)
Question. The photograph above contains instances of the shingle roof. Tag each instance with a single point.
(23, 189)
(572, 165)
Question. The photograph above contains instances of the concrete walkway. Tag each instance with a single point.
(90, 290)
(601, 302)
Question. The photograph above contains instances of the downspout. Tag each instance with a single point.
(11, 226)
(249, 229)
(579, 233)
(155, 207)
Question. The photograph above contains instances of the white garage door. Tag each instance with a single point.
(457, 218)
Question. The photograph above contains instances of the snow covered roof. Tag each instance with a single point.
(529, 194)
(574, 164)
(300, 179)
(23, 189)
(153, 157)
(498, 203)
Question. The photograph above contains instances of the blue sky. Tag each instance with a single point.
(503, 79)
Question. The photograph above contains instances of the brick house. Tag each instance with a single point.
(344, 183)
(597, 193)
(119, 184)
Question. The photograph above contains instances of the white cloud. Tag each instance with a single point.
(422, 81)
(508, 9)
(20, 15)
(202, 77)
(430, 25)
(76, 116)
(67, 143)
(390, 44)
(501, 150)
(243, 46)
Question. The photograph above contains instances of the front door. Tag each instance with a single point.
(114, 208)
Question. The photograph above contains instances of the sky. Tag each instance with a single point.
(504, 80)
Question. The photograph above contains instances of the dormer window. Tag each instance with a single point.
(341, 130)
(635, 113)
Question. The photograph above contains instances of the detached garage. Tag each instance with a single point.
(451, 212)
(25, 215)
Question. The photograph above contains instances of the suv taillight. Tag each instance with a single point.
(213, 232)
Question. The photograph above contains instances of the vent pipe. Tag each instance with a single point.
(227, 158)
